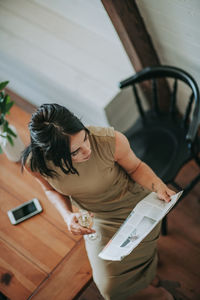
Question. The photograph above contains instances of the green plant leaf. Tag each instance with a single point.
(10, 140)
(3, 84)
(1, 151)
(7, 98)
(3, 104)
(9, 131)
(8, 107)
(1, 119)
(5, 125)
(2, 96)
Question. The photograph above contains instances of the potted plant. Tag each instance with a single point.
(10, 142)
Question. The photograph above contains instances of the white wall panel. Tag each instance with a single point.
(67, 51)
(62, 57)
(174, 26)
(89, 14)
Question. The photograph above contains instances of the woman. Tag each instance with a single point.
(96, 168)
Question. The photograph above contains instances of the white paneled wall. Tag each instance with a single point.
(62, 51)
(67, 51)
(86, 13)
(174, 26)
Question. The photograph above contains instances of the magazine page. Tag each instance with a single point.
(141, 221)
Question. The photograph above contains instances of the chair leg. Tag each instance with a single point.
(188, 188)
(177, 186)
(164, 226)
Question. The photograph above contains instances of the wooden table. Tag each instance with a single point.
(39, 258)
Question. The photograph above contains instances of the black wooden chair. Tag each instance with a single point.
(166, 140)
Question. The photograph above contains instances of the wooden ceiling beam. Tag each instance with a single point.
(135, 38)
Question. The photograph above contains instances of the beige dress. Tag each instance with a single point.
(104, 188)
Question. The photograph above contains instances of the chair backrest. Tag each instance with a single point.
(156, 72)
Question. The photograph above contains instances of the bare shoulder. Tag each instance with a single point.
(124, 155)
(122, 147)
(34, 174)
(44, 183)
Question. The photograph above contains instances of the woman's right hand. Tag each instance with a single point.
(74, 227)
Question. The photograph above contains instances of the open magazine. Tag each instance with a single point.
(143, 218)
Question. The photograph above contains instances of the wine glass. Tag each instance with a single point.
(86, 220)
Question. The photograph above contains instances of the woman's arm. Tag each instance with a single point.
(62, 204)
(138, 170)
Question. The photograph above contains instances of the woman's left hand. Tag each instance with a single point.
(164, 193)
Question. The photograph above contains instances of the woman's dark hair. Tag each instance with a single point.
(50, 128)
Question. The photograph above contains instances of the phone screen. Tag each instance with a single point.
(24, 211)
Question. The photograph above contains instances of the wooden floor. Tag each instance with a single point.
(40, 259)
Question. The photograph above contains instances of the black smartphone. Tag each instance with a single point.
(24, 211)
